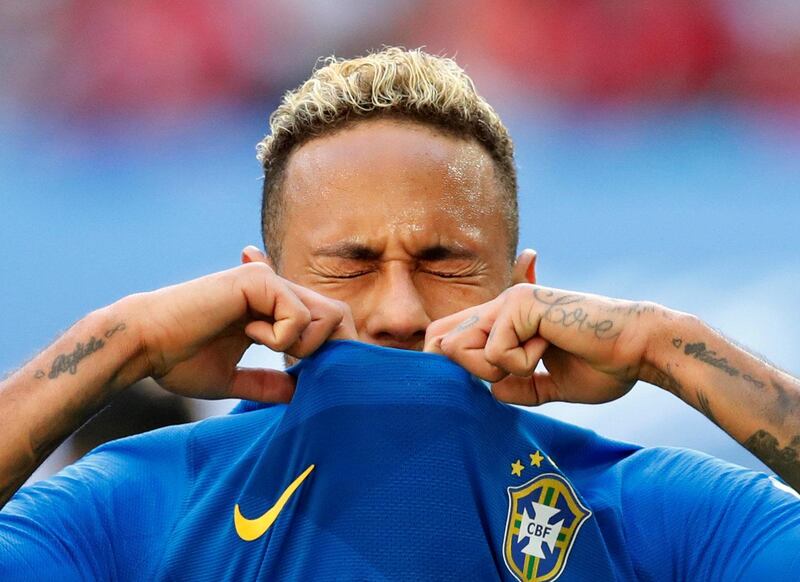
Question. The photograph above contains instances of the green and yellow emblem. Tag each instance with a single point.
(544, 517)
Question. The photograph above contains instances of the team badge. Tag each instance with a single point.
(544, 517)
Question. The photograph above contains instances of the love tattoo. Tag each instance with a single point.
(569, 311)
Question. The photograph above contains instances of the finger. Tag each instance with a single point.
(533, 390)
(347, 328)
(524, 270)
(438, 329)
(329, 319)
(465, 346)
(513, 344)
(521, 359)
(433, 345)
(262, 385)
(284, 315)
(252, 254)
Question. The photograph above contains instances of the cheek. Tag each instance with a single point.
(443, 298)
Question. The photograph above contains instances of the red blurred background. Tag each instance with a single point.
(158, 59)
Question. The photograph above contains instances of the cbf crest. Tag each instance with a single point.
(544, 517)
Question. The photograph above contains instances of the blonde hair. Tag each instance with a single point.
(393, 82)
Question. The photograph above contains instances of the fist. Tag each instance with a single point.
(194, 334)
(592, 347)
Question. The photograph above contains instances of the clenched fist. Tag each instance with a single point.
(592, 347)
(193, 335)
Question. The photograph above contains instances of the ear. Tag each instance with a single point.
(524, 270)
(252, 254)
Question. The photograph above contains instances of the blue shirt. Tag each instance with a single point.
(390, 465)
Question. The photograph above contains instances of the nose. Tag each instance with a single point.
(397, 317)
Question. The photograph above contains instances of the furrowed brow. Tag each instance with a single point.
(348, 250)
(443, 253)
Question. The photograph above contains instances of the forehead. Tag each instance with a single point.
(382, 174)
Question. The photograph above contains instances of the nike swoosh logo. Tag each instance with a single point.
(252, 529)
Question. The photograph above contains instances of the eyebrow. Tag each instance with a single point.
(361, 252)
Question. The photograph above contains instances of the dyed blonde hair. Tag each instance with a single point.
(397, 83)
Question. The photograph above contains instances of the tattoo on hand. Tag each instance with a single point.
(558, 313)
(68, 362)
(632, 308)
(467, 323)
(785, 462)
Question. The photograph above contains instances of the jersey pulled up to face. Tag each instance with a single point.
(396, 465)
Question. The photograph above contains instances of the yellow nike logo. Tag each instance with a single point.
(252, 529)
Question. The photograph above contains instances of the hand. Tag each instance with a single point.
(592, 347)
(194, 334)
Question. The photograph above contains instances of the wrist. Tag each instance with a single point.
(121, 324)
(664, 326)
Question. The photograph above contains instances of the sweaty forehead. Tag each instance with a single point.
(380, 175)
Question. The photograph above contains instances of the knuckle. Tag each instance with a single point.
(302, 317)
(340, 305)
(338, 310)
(257, 269)
(447, 344)
(344, 308)
(493, 354)
(435, 328)
(520, 291)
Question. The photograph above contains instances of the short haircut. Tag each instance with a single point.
(395, 83)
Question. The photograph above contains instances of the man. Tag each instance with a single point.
(390, 217)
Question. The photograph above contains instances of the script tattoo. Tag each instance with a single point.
(785, 462)
(564, 310)
(699, 351)
(68, 362)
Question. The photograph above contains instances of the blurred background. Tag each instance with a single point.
(658, 146)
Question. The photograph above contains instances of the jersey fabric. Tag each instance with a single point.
(396, 465)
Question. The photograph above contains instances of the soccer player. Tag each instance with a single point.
(390, 218)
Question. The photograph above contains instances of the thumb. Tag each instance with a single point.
(527, 391)
(262, 385)
(524, 270)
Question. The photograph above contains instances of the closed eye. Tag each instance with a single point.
(446, 275)
(348, 275)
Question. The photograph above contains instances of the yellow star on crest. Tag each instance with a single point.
(536, 459)
(516, 468)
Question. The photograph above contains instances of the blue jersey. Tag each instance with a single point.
(393, 465)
